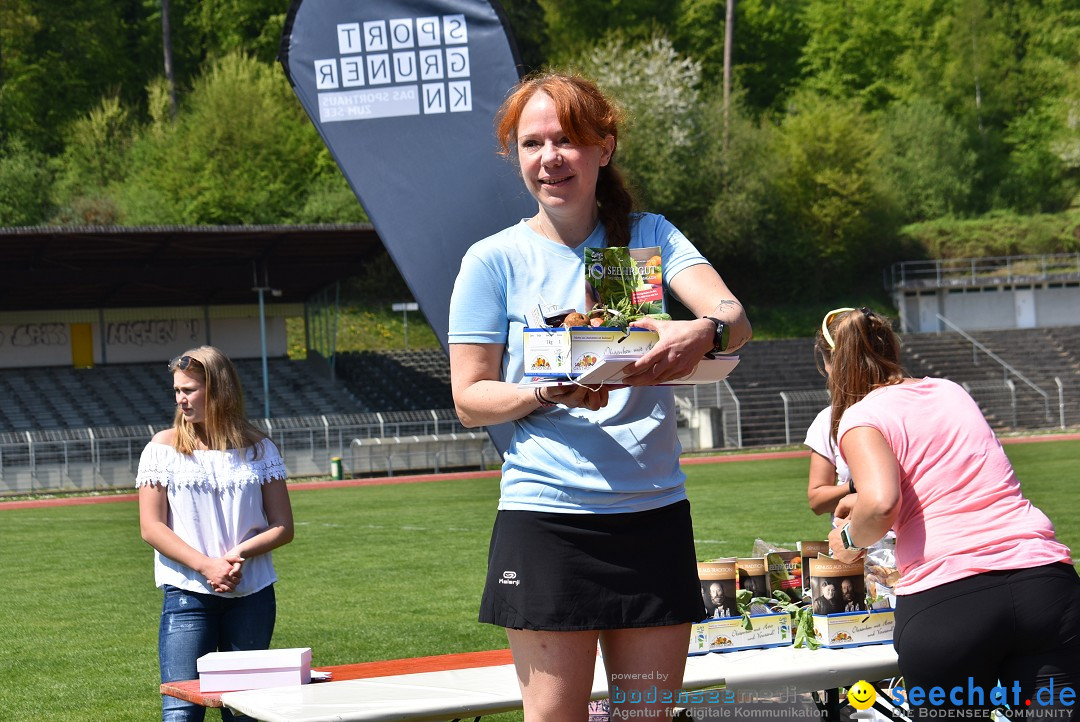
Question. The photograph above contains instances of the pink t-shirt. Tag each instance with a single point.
(961, 508)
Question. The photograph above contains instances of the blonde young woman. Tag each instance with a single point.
(212, 504)
(987, 594)
(593, 539)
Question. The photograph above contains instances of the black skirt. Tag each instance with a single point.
(569, 572)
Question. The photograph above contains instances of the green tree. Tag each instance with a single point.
(94, 159)
(526, 19)
(573, 28)
(750, 237)
(25, 185)
(1002, 70)
(662, 140)
(927, 161)
(58, 58)
(241, 151)
(832, 190)
(1046, 40)
(767, 44)
(852, 49)
(1036, 178)
(329, 199)
(250, 26)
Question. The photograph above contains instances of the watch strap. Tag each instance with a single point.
(845, 538)
(720, 341)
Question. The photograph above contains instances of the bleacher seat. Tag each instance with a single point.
(419, 381)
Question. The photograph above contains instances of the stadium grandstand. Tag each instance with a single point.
(89, 317)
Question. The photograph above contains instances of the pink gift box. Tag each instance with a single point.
(254, 669)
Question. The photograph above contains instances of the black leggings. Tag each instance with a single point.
(1018, 628)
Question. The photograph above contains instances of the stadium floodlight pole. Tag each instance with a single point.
(729, 33)
(261, 290)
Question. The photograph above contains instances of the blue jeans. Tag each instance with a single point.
(195, 624)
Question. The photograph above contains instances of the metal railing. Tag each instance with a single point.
(1006, 367)
(437, 452)
(94, 459)
(989, 270)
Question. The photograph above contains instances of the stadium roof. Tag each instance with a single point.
(47, 267)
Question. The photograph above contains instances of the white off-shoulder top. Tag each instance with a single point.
(215, 502)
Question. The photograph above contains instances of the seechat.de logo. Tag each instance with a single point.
(973, 695)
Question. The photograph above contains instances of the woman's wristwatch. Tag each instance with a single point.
(845, 538)
(721, 336)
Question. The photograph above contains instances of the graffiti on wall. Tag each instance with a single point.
(28, 335)
(152, 333)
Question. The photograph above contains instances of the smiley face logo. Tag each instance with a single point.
(861, 695)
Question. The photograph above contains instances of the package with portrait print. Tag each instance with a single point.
(809, 549)
(752, 574)
(725, 629)
(842, 617)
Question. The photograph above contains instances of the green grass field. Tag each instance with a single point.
(375, 572)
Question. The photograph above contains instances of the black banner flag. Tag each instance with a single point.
(404, 93)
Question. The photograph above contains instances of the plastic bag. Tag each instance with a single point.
(881, 573)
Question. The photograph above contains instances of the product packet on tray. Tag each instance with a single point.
(624, 283)
(621, 286)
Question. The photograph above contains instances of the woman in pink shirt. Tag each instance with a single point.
(972, 551)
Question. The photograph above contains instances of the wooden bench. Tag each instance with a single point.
(189, 689)
(473, 684)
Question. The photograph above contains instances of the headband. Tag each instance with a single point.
(832, 314)
(825, 325)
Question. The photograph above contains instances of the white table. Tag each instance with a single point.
(435, 696)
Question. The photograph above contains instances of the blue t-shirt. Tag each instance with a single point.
(621, 458)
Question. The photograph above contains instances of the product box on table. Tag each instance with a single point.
(571, 352)
(727, 634)
(854, 629)
(254, 669)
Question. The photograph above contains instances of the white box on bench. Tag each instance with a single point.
(854, 629)
(727, 634)
(254, 669)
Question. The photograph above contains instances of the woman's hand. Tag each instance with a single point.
(681, 347)
(581, 397)
(836, 545)
(223, 573)
(844, 507)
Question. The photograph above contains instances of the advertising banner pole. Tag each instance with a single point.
(403, 94)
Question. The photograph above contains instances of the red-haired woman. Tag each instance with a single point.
(593, 539)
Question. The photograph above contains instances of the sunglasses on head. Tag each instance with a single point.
(182, 363)
(833, 314)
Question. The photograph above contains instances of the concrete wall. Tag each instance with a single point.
(140, 335)
(996, 307)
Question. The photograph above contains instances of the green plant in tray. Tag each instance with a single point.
(624, 285)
